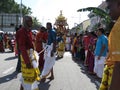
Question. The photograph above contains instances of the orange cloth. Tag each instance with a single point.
(114, 44)
(73, 45)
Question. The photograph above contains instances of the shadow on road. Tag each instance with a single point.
(8, 77)
(58, 58)
(84, 69)
(11, 58)
(44, 85)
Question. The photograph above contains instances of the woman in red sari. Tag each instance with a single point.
(90, 54)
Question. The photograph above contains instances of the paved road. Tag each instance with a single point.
(69, 75)
(8, 63)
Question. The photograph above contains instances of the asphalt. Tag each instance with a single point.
(69, 74)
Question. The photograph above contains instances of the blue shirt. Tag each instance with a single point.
(59, 39)
(51, 36)
(102, 40)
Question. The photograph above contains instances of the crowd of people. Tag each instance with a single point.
(100, 53)
(6, 41)
(92, 48)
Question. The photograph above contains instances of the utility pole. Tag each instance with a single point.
(21, 12)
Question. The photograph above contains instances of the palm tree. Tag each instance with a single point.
(98, 12)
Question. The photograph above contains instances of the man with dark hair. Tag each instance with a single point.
(111, 76)
(101, 30)
(49, 54)
(27, 56)
(100, 52)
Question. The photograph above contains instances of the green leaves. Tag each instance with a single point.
(36, 23)
(97, 12)
(10, 6)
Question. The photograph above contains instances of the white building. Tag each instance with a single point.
(80, 28)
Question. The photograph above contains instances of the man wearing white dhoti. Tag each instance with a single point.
(100, 52)
(29, 66)
(67, 43)
(49, 54)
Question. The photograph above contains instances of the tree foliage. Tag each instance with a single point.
(97, 12)
(106, 20)
(10, 6)
(36, 23)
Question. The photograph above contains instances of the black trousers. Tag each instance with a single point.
(18, 67)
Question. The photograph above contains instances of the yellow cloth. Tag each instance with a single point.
(114, 42)
(29, 75)
(61, 49)
(61, 46)
(107, 77)
(73, 44)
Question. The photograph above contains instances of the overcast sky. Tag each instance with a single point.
(48, 10)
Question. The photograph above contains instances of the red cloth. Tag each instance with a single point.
(1, 46)
(39, 41)
(39, 38)
(24, 39)
(86, 41)
(5, 37)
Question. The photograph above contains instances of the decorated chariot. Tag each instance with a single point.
(62, 30)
